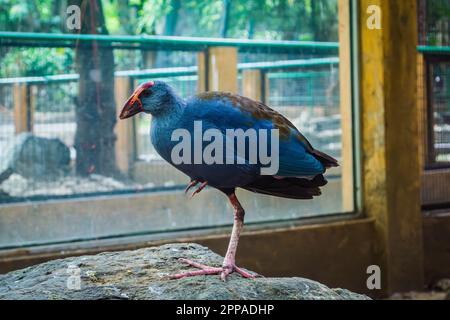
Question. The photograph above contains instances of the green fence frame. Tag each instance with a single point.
(148, 42)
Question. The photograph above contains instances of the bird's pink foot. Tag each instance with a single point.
(207, 270)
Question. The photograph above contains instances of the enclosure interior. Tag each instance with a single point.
(62, 143)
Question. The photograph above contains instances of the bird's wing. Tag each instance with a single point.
(246, 107)
(225, 110)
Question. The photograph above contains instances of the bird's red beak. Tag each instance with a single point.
(134, 105)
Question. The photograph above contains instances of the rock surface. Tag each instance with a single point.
(34, 157)
(143, 274)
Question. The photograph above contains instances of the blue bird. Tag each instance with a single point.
(223, 140)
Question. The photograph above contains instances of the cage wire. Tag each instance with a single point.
(300, 81)
(434, 31)
(52, 106)
(7, 128)
(439, 84)
(184, 85)
(307, 95)
(434, 22)
(54, 111)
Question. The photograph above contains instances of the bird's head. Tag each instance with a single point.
(150, 97)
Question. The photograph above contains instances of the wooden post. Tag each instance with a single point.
(125, 143)
(32, 92)
(22, 112)
(222, 69)
(252, 84)
(266, 90)
(201, 72)
(345, 81)
(422, 110)
(390, 141)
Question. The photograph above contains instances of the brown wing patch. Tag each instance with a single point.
(259, 111)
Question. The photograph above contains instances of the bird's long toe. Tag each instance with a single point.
(224, 271)
(245, 274)
(201, 272)
(231, 267)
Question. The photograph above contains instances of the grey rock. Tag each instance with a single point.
(143, 274)
(34, 157)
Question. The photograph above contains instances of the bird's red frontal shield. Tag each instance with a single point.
(134, 104)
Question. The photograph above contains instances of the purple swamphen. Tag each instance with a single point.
(299, 165)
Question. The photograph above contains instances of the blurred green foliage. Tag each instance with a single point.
(18, 62)
(264, 19)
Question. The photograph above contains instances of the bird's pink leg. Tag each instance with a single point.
(229, 263)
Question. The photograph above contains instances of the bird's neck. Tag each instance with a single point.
(163, 124)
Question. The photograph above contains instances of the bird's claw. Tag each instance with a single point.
(193, 183)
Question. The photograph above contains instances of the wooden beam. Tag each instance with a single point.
(222, 69)
(22, 113)
(251, 84)
(390, 141)
(345, 81)
(125, 143)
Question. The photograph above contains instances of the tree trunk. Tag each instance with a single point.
(251, 28)
(95, 113)
(59, 10)
(319, 23)
(164, 59)
(225, 18)
(314, 19)
(172, 18)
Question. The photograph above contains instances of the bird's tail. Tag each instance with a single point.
(326, 160)
(293, 188)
